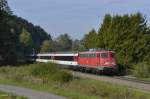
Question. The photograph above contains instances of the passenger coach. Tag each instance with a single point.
(58, 58)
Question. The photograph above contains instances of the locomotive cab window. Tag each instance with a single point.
(83, 55)
(92, 55)
(104, 55)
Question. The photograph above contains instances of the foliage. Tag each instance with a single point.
(90, 40)
(51, 72)
(47, 46)
(26, 39)
(142, 70)
(78, 45)
(128, 35)
(26, 42)
(62, 76)
(7, 40)
(37, 33)
(63, 43)
(4, 6)
(43, 70)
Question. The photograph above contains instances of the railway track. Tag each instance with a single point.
(131, 83)
(132, 79)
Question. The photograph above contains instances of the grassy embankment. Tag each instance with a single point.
(10, 96)
(51, 78)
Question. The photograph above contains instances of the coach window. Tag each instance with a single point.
(39, 57)
(64, 58)
(45, 57)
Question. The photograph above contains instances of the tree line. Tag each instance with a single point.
(18, 37)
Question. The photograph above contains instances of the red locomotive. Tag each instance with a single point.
(99, 60)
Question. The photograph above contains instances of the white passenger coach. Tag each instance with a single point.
(58, 58)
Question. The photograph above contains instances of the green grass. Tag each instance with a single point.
(51, 78)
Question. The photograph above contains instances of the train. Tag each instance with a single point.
(93, 60)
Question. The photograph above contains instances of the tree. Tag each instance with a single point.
(64, 42)
(7, 40)
(90, 39)
(4, 6)
(78, 46)
(47, 46)
(26, 39)
(15, 41)
(128, 35)
(102, 41)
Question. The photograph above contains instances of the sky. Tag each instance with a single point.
(75, 17)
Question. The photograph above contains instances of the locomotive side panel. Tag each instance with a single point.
(89, 60)
(99, 60)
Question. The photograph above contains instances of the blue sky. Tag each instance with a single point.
(75, 17)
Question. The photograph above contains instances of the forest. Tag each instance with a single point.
(127, 35)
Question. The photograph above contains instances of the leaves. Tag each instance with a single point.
(26, 39)
(47, 46)
(90, 39)
(128, 35)
(63, 43)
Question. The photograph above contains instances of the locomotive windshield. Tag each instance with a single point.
(104, 55)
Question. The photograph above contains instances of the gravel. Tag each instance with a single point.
(131, 84)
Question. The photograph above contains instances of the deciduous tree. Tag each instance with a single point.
(47, 46)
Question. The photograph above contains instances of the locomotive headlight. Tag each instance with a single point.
(106, 63)
(113, 63)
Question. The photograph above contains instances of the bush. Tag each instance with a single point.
(62, 76)
(42, 70)
(142, 70)
(50, 71)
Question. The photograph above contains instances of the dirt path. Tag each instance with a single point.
(30, 94)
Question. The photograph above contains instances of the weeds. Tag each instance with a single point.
(59, 81)
(142, 70)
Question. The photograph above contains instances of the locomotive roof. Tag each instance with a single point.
(102, 51)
